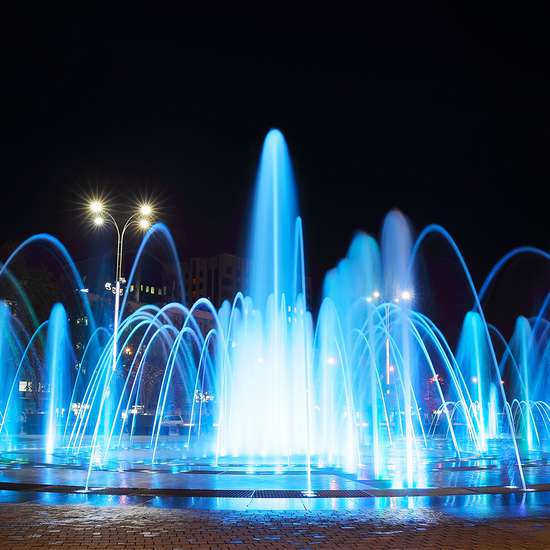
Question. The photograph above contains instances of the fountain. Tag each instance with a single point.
(368, 388)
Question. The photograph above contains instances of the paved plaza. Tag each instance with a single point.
(140, 524)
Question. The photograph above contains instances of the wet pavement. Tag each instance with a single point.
(32, 520)
(472, 502)
(433, 476)
(435, 468)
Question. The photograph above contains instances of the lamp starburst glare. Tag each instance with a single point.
(96, 207)
(145, 209)
(144, 223)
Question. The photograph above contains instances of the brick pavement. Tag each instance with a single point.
(85, 527)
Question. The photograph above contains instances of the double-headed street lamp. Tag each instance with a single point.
(140, 219)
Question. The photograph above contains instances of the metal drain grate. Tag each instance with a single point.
(229, 493)
(277, 493)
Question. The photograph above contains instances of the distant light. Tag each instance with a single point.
(474, 379)
(392, 368)
(144, 223)
(406, 295)
(376, 294)
(396, 300)
(145, 209)
(331, 360)
(369, 299)
(98, 221)
(96, 207)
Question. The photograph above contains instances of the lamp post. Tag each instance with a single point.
(141, 219)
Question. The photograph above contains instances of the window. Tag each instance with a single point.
(141, 288)
(131, 288)
(147, 289)
(152, 290)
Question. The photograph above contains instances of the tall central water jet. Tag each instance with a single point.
(267, 410)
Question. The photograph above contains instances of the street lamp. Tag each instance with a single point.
(139, 219)
(145, 210)
(96, 207)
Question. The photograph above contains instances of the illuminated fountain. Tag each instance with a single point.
(271, 385)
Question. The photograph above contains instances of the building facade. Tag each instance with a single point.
(217, 278)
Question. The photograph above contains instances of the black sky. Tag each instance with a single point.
(440, 111)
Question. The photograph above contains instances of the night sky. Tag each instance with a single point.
(439, 111)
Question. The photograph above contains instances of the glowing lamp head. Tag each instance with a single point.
(144, 224)
(407, 295)
(474, 379)
(98, 221)
(145, 209)
(96, 207)
(376, 294)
